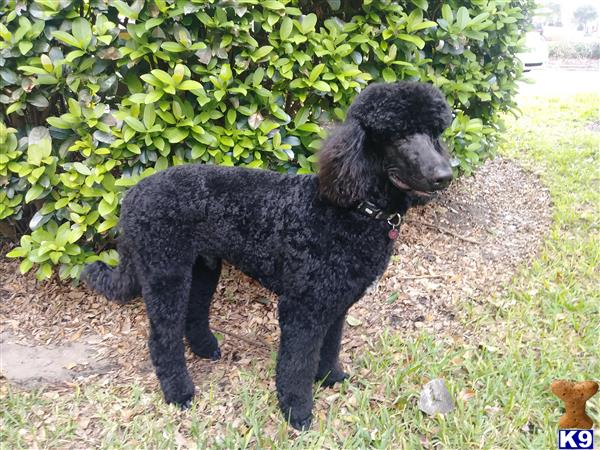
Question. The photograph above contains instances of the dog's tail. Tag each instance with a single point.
(119, 284)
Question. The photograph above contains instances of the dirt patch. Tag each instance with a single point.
(465, 245)
(31, 366)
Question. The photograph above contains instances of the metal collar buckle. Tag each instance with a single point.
(395, 220)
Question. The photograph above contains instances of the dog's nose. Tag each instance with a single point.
(441, 177)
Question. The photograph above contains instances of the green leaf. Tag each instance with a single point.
(58, 123)
(314, 74)
(334, 4)
(151, 79)
(153, 97)
(479, 18)
(178, 73)
(39, 100)
(321, 86)
(420, 4)
(25, 46)
(161, 163)
(5, 33)
(32, 70)
(226, 140)
(82, 168)
(198, 150)
(162, 76)
(44, 271)
(24, 27)
(174, 47)
(66, 38)
(18, 252)
(261, 52)
(189, 85)
(389, 75)
(447, 14)
(110, 222)
(359, 39)
(310, 127)
(258, 76)
(462, 18)
(423, 25)
(47, 79)
(82, 31)
(149, 116)
(272, 4)
(33, 193)
(420, 43)
(151, 23)
(72, 56)
(25, 266)
(46, 63)
(135, 124)
(40, 145)
(308, 22)
(225, 73)
(287, 25)
(138, 98)
(14, 107)
(231, 116)
(105, 208)
(175, 135)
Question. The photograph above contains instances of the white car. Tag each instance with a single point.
(536, 52)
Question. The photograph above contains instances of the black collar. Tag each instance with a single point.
(372, 210)
(394, 220)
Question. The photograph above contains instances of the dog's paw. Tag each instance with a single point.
(216, 354)
(207, 348)
(299, 413)
(301, 424)
(330, 378)
(179, 392)
(213, 354)
(183, 401)
(186, 404)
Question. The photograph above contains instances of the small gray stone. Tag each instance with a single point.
(435, 398)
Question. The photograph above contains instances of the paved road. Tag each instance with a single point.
(555, 82)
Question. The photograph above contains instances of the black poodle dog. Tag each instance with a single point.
(318, 241)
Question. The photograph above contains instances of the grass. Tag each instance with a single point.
(544, 327)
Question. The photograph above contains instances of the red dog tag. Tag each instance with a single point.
(393, 234)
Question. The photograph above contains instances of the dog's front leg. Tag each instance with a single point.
(297, 362)
(330, 371)
(166, 299)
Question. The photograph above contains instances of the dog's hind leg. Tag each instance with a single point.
(166, 296)
(329, 371)
(205, 276)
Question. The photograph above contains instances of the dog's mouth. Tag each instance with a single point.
(403, 186)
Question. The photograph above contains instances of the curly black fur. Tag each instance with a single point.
(299, 235)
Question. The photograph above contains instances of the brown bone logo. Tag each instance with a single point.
(574, 395)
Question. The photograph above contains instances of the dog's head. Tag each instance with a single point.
(391, 131)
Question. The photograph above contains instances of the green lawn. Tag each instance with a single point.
(545, 327)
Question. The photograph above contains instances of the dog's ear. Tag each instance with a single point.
(345, 170)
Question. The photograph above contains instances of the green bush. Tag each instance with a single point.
(575, 49)
(97, 94)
